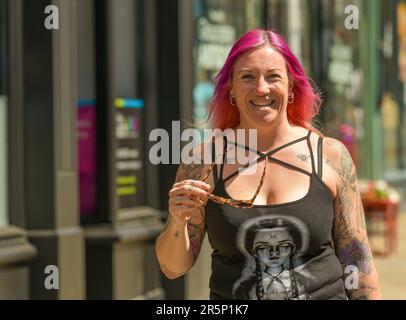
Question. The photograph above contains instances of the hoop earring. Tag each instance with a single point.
(232, 100)
(291, 98)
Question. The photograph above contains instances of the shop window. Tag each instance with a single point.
(292, 20)
(343, 85)
(218, 24)
(86, 110)
(393, 87)
(3, 114)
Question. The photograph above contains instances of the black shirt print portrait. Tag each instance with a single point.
(273, 269)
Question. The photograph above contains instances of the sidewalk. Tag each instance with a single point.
(392, 269)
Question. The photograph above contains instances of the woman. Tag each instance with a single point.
(298, 175)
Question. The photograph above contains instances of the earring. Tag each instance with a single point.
(291, 98)
(232, 100)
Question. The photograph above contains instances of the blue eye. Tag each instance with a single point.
(274, 76)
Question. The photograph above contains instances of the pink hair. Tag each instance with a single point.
(306, 102)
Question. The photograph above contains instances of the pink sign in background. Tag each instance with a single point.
(86, 130)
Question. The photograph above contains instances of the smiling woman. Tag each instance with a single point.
(304, 224)
(260, 87)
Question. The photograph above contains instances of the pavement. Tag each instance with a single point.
(392, 268)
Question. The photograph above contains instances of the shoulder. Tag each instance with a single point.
(334, 149)
(339, 162)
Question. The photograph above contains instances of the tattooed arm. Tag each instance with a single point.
(179, 244)
(349, 230)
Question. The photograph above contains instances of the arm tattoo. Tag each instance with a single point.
(196, 234)
(349, 231)
(356, 253)
(191, 171)
(364, 292)
(195, 227)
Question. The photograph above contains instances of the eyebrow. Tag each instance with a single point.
(250, 70)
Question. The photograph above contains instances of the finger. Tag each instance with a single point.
(194, 183)
(184, 201)
(188, 191)
(195, 191)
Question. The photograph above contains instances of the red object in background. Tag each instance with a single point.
(382, 220)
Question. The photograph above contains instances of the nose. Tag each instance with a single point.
(274, 251)
(262, 87)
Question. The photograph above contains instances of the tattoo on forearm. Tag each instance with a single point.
(195, 232)
(356, 253)
(364, 292)
(189, 171)
(350, 236)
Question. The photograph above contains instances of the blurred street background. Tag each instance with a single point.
(83, 83)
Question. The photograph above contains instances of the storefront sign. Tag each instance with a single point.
(128, 163)
(215, 41)
(341, 65)
(86, 135)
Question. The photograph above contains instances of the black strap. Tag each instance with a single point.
(291, 166)
(309, 144)
(270, 153)
(224, 157)
(261, 154)
(270, 158)
(320, 157)
(213, 161)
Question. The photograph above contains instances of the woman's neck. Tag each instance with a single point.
(273, 136)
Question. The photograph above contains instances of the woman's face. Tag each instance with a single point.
(260, 85)
(274, 254)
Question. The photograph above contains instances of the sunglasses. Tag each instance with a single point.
(233, 202)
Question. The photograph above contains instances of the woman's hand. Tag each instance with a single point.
(186, 199)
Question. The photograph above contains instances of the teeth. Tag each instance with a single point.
(258, 104)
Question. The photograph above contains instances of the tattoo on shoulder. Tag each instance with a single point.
(303, 157)
(345, 169)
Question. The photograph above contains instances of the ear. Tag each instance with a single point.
(230, 86)
(291, 84)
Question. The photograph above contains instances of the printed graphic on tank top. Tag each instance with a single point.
(281, 248)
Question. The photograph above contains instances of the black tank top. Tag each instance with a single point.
(275, 252)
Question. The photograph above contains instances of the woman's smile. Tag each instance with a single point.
(260, 86)
(263, 104)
